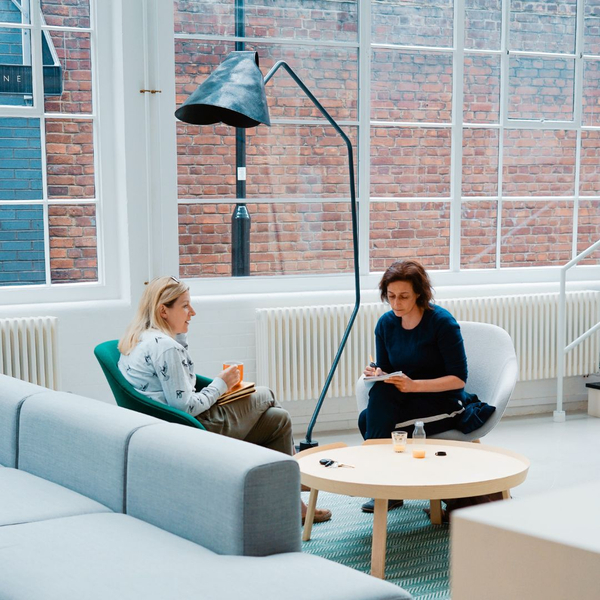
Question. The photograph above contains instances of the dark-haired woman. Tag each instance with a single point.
(424, 342)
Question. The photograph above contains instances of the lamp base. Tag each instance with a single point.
(304, 445)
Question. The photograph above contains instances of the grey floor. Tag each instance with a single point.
(561, 454)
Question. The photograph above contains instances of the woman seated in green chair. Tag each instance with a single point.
(155, 361)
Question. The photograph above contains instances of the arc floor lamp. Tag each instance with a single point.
(234, 94)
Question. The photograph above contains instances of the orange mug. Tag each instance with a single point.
(238, 364)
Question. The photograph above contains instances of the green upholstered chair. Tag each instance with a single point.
(126, 396)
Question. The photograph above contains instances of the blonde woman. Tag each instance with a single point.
(155, 361)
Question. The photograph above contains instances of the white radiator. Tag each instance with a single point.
(295, 346)
(28, 350)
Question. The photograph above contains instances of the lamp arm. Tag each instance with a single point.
(307, 442)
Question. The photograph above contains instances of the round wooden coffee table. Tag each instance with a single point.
(467, 469)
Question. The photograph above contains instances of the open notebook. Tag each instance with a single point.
(241, 390)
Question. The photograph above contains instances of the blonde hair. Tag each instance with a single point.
(160, 291)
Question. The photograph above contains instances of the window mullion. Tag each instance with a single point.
(364, 135)
(457, 134)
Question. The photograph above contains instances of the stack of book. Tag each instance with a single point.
(241, 390)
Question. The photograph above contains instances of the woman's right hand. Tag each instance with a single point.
(231, 376)
(372, 371)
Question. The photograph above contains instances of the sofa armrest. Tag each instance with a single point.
(229, 496)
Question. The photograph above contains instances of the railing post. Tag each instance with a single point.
(559, 413)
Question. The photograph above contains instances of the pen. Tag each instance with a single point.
(372, 363)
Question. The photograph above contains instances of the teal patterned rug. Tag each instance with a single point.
(417, 552)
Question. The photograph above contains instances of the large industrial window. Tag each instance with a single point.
(476, 124)
(48, 183)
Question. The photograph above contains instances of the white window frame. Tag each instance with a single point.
(104, 50)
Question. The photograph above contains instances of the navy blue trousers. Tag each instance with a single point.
(390, 409)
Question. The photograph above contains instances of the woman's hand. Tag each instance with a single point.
(231, 376)
(440, 384)
(403, 383)
(372, 371)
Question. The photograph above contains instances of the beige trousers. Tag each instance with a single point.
(258, 419)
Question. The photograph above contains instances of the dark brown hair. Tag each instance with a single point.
(415, 274)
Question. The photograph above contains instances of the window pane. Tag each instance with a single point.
(11, 13)
(541, 88)
(331, 75)
(483, 24)
(307, 20)
(295, 161)
(588, 231)
(591, 39)
(482, 89)
(15, 67)
(20, 159)
(205, 161)
(591, 92)
(73, 53)
(543, 26)
(589, 174)
(22, 244)
(411, 87)
(480, 162)
(413, 23)
(285, 239)
(315, 20)
(536, 233)
(66, 13)
(401, 230)
(283, 161)
(410, 162)
(478, 235)
(73, 243)
(539, 163)
(70, 158)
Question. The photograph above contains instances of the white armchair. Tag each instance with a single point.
(493, 370)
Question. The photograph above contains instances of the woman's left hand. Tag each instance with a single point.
(403, 383)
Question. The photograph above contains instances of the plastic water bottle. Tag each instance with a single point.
(418, 440)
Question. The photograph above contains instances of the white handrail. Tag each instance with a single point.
(562, 348)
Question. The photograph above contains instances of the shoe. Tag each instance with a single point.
(369, 506)
(321, 515)
(304, 488)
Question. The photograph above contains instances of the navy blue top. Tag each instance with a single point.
(434, 348)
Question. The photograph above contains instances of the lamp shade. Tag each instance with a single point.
(233, 94)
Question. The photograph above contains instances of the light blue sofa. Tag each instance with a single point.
(98, 502)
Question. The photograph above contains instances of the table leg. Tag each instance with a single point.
(310, 514)
(505, 494)
(379, 538)
(435, 512)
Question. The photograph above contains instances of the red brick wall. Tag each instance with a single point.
(409, 230)
(536, 233)
(70, 158)
(66, 13)
(73, 243)
(74, 53)
(316, 20)
(478, 234)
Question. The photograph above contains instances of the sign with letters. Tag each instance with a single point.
(17, 79)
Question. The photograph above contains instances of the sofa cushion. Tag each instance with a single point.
(14, 392)
(229, 496)
(104, 556)
(78, 443)
(25, 497)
